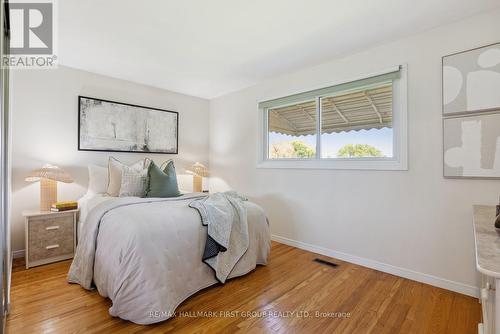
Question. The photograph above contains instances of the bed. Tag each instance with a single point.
(147, 253)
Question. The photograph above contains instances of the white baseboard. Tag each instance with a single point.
(387, 268)
(18, 254)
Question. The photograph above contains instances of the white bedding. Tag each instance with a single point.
(87, 203)
(148, 252)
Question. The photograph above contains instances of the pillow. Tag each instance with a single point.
(98, 179)
(162, 183)
(134, 182)
(115, 169)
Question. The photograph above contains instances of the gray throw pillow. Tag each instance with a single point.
(134, 182)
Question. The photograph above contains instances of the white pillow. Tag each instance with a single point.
(133, 182)
(115, 169)
(98, 179)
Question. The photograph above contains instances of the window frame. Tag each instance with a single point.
(399, 160)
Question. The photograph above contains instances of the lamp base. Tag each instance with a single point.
(197, 181)
(48, 193)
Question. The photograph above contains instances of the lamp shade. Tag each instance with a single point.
(198, 169)
(49, 172)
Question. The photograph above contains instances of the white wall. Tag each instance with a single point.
(414, 220)
(44, 129)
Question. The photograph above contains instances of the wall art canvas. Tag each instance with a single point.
(471, 80)
(120, 127)
(472, 146)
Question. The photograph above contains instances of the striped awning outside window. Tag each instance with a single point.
(363, 109)
(355, 105)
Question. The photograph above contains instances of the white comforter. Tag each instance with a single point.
(148, 255)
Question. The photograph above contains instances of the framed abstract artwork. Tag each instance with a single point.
(120, 127)
(471, 80)
(472, 146)
(471, 113)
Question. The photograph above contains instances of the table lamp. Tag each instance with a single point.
(48, 176)
(199, 171)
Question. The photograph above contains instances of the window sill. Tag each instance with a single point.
(355, 164)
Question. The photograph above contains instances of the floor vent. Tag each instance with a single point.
(328, 263)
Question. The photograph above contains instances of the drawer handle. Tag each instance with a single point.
(54, 227)
(52, 246)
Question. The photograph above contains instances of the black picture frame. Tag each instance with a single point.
(80, 97)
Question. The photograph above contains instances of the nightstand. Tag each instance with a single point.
(49, 236)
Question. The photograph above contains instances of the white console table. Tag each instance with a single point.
(487, 241)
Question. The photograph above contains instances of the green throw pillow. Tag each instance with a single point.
(162, 183)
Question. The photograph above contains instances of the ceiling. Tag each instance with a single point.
(210, 48)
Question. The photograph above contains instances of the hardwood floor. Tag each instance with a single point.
(376, 302)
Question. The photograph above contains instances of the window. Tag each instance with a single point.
(359, 124)
(292, 131)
